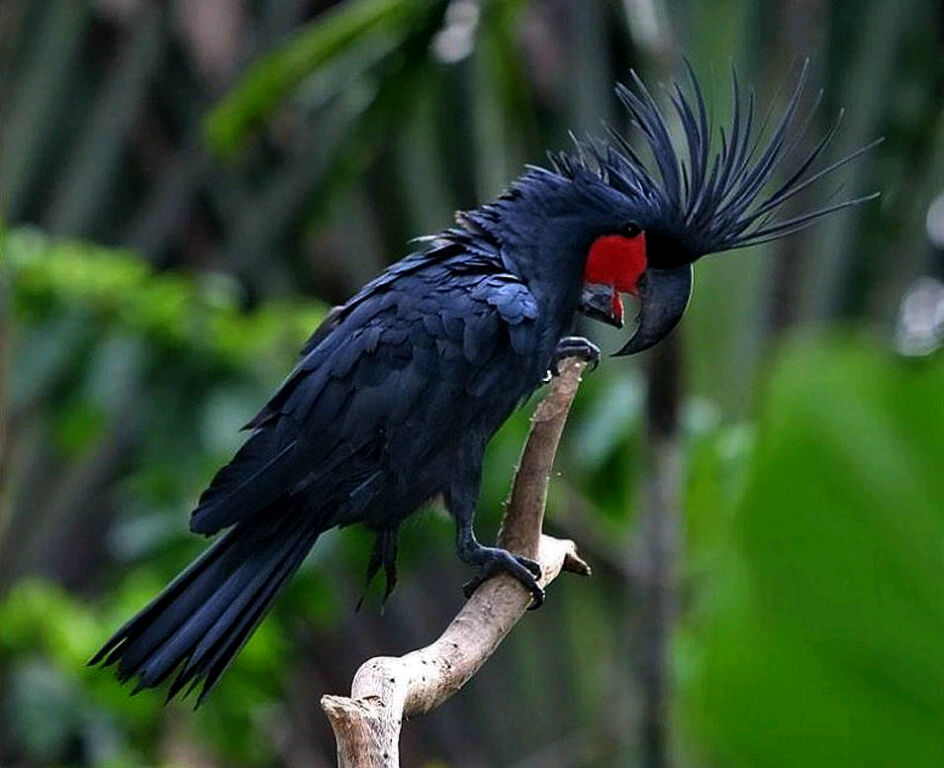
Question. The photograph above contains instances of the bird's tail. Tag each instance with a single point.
(203, 618)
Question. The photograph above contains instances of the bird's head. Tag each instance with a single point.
(638, 225)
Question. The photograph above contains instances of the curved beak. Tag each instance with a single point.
(664, 295)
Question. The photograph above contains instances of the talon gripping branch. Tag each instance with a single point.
(399, 390)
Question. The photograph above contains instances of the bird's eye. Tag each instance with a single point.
(630, 230)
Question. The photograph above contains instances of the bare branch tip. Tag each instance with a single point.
(574, 563)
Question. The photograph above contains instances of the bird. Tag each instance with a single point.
(396, 394)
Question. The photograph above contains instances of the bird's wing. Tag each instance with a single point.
(395, 374)
(376, 296)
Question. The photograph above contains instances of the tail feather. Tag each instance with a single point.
(200, 622)
(217, 664)
(218, 647)
(153, 647)
(206, 617)
(175, 594)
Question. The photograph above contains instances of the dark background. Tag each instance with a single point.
(186, 186)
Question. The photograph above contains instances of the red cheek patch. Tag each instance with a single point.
(616, 260)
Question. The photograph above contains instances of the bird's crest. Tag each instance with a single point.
(710, 200)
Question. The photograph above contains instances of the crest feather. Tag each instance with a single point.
(712, 200)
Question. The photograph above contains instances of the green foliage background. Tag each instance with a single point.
(187, 186)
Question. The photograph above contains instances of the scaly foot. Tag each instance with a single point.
(489, 561)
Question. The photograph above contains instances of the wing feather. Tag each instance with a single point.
(417, 349)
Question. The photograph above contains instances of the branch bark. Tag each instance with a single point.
(386, 689)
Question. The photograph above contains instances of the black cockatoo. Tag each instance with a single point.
(399, 390)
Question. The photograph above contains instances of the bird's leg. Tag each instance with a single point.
(487, 561)
(575, 346)
(384, 553)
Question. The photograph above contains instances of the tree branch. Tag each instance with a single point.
(386, 689)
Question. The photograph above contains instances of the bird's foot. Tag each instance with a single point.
(575, 346)
(489, 561)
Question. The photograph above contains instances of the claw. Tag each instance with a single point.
(532, 565)
(575, 346)
(492, 560)
(468, 589)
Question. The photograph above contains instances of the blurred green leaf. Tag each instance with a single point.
(45, 709)
(822, 642)
(78, 427)
(173, 311)
(43, 616)
(271, 77)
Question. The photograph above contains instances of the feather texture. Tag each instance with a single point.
(710, 201)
